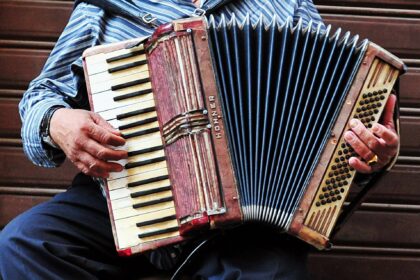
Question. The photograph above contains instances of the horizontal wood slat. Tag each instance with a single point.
(12, 205)
(333, 266)
(9, 111)
(397, 35)
(17, 170)
(399, 4)
(22, 66)
(33, 20)
(381, 229)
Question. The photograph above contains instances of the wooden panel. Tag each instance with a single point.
(9, 118)
(401, 4)
(381, 229)
(409, 88)
(330, 266)
(397, 35)
(33, 20)
(400, 186)
(16, 169)
(410, 135)
(22, 66)
(12, 205)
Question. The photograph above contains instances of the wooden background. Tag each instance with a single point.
(382, 239)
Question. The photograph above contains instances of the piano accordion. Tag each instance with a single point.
(234, 122)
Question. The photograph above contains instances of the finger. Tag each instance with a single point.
(103, 123)
(388, 135)
(388, 114)
(360, 166)
(368, 138)
(358, 146)
(103, 153)
(96, 166)
(103, 135)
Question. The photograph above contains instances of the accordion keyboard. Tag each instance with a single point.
(140, 196)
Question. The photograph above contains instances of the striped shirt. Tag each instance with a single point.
(61, 81)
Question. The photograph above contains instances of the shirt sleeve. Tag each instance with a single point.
(55, 86)
(306, 11)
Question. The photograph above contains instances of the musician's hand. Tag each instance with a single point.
(85, 137)
(381, 140)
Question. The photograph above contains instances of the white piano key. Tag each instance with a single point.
(125, 192)
(138, 170)
(108, 84)
(130, 221)
(133, 212)
(105, 101)
(124, 181)
(106, 77)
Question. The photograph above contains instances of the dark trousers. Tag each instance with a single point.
(69, 237)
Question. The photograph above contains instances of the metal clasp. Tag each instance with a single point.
(149, 19)
(198, 12)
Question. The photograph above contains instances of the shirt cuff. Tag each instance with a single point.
(33, 146)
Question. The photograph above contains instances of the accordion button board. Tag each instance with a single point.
(140, 196)
(336, 182)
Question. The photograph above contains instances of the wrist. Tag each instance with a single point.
(46, 127)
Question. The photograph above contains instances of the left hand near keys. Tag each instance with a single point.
(376, 146)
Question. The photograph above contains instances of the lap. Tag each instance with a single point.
(68, 237)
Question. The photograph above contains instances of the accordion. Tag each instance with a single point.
(232, 122)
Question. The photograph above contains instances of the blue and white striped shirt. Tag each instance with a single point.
(61, 81)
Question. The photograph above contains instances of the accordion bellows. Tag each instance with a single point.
(232, 122)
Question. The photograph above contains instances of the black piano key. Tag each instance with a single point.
(140, 133)
(124, 56)
(130, 84)
(152, 202)
(144, 162)
(145, 151)
(132, 94)
(147, 181)
(156, 221)
(152, 191)
(157, 232)
(135, 113)
(126, 66)
(138, 123)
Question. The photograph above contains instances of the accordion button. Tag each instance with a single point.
(323, 202)
(324, 189)
(376, 111)
(385, 91)
(328, 200)
(370, 94)
(334, 199)
(372, 100)
(362, 102)
(339, 197)
(345, 183)
(337, 192)
(365, 95)
(318, 204)
(321, 196)
(369, 125)
(335, 186)
(377, 98)
(342, 190)
(375, 93)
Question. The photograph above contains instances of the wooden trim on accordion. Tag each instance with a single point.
(229, 191)
(297, 227)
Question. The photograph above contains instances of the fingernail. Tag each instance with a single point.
(348, 136)
(375, 128)
(353, 123)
